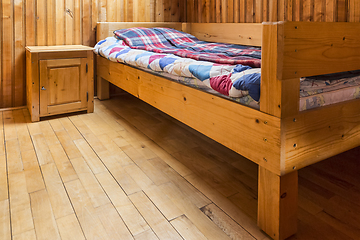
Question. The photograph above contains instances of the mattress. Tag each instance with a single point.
(238, 83)
(323, 90)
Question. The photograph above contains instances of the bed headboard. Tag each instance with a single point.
(237, 33)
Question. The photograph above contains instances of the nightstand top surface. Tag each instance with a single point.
(58, 48)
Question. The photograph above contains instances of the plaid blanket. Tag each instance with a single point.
(170, 41)
(236, 81)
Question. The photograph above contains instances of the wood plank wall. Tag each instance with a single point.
(55, 22)
(207, 11)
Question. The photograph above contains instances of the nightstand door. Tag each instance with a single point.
(63, 85)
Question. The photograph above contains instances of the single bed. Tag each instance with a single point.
(278, 137)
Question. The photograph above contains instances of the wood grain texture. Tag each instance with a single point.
(285, 100)
(328, 191)
(246, 34)
(329, 131)
(183, 107)
(275, 10)
(277, 203)
(314, 48)
(44, 220)
(56, 22)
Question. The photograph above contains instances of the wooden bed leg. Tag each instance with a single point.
(103, 88)
(277, 203)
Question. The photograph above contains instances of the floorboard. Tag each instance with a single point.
(129, 171)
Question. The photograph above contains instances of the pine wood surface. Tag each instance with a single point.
(250, 11)
(129, 171)
(203, 111)
(58, 22)
(63, 22)
(65, 74)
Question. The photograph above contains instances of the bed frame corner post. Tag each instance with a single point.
(277, 203)
(103, 88)
(279, 97)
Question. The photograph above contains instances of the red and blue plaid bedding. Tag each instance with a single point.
(170, 41)
(235, 81)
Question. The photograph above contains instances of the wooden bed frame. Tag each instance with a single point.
(278, 137)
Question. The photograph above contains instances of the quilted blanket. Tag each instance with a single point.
(230, 80)
(167, 40)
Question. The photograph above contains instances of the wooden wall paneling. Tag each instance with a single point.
(77, 23)
(138, 11)
(258, 11)
(183, 12)
(120, 10)
(129, 11)
(212, 11)
(230, 11)
(202, 14)
(319, 10)
(41, 29)
(236, 11)
(330, 6)
(19, 55)
(250, 18)
(86, 22)
(151, 11)
(306, 15)
(111, 9)
(354, 10)
(60, 22)
(7, 53)
(174, 11)
(50, 10)
(30, 23)
(102, 10)
(48, 22)
(159, 11)
(296, 10)
(167, 9)
(342, 8)
(265, 11)
(281, 10)
(223, 12)
(92, 21)
(69, 22)
(289, 10)
(217, 11)
(273, 8)
(1, 41)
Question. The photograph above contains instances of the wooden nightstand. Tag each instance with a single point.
(59, 79)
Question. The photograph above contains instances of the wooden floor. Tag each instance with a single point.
(128, 171)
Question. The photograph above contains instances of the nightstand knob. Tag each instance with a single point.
(43, 88)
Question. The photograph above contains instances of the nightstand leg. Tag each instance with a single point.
(103, 88)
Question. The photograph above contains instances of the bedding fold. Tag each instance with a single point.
(171, 41)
